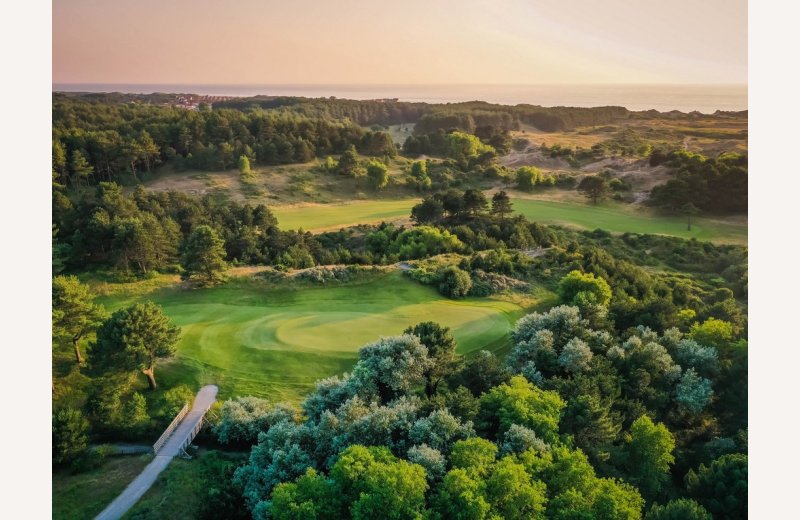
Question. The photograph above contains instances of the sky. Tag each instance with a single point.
(406, 42)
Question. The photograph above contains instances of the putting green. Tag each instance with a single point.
(276, 342)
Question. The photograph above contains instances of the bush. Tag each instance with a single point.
(424, 241)
(174, 399)
(484, 284)
(618, 185)
(243, 418)
(91, 459)
(528, 177)
(378, 174)
(322, 275)
(455, 282)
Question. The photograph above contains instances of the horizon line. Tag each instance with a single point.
(407, 84)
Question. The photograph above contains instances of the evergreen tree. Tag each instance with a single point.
(80, 168)
(348, 162)
(70, 438)
(133, 338)
(501, 204)
(204, 256)
(75, 315)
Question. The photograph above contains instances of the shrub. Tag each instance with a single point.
(455, 282)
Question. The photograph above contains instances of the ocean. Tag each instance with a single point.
(686, 98)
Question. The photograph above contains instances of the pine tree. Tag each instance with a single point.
(204, 256)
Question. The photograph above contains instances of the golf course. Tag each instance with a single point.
(324, 217)
(612, 217)
(275, 340)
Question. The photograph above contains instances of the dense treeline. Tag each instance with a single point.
(582, 420)
(364, 113)
(149, 231)
(430, 117)
(95, 141)
(706, 183)
(468, 117)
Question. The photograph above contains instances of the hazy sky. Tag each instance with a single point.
(408, 41)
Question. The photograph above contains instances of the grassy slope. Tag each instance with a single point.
(271, 341)
(86, 494)
(615, 218)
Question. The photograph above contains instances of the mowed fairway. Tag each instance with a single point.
(255, 339)
(611, 217)
(615, 219)
(322, 217)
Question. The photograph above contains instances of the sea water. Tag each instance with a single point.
(685, 98)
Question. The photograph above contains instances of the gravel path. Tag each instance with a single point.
(202, 402)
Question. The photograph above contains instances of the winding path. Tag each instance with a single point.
(202, 402)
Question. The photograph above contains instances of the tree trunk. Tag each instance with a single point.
(151, 378)
(430, 388)
(78, 356)
(688, 223)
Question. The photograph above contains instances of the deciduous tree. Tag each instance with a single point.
(648, 455)
(441, 351)
(378, 174)
(679, 509)
(520, 402)
(527, 177)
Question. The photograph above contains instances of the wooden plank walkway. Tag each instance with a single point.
(181, 437)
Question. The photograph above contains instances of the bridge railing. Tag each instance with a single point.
(174, 424)
(197, 427)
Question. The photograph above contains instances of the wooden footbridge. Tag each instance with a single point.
(174, 441)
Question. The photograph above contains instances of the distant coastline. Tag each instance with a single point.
(664, 98)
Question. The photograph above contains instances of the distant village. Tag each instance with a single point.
(193, 101)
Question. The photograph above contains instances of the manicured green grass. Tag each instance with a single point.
(614, 218)
(321, 217)
(276, 340)
(84, 495)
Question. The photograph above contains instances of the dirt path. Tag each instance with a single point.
(202, 402)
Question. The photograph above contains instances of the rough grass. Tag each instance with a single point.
(84, 495)
(179, 489)
(276, 340)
